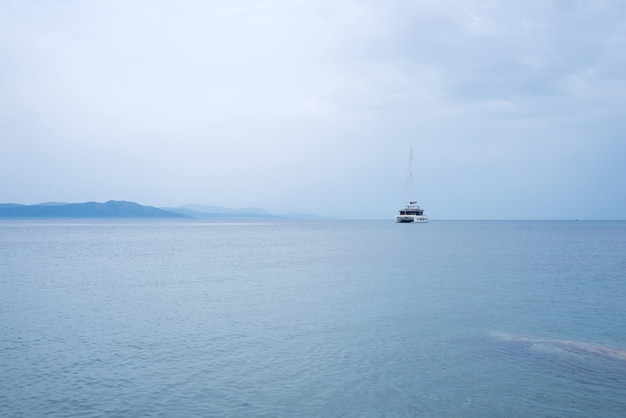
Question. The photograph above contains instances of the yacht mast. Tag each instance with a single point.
(411, 201)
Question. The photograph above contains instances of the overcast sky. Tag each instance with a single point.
(515, 109)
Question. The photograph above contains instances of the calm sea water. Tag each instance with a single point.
(312, 318)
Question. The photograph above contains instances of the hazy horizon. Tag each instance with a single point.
(514, 110)
(209, 209)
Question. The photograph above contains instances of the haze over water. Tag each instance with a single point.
(312, 318)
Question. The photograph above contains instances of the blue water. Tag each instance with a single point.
(312, 318)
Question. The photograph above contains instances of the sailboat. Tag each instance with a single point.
(411, 213)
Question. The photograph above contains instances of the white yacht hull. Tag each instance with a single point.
(418, 219)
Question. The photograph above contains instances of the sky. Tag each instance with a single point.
(514, 109)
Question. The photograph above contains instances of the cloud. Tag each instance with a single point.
(267, 103)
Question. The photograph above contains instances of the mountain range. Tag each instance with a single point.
(110, 209)
(124, 209)
(221, 212)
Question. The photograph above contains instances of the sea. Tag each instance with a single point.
(315, 318)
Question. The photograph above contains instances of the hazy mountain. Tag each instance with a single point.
(122, 209)
(221, 212)
(222, 209)
(110, 209)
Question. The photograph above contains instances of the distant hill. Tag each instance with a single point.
(123, 209)
(110, 209)
(225, 210)
(221, 212)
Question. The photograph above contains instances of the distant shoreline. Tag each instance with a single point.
(110, 209)
(130, 210)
